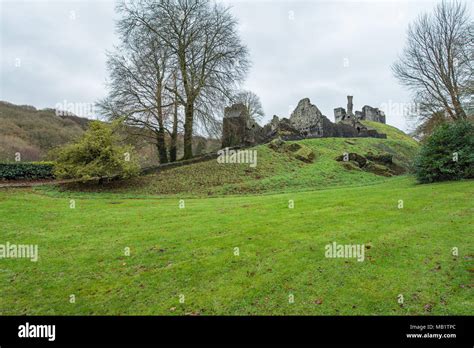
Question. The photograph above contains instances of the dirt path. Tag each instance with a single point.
(32, 183)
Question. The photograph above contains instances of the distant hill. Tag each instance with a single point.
(33, 132)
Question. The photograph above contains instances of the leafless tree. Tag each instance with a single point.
(140, 72)
(206, 50)
(437, 62)
(251, 102)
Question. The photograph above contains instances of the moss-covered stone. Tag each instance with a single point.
(384, 158)
(361, 160)
(378, 169)
(305, 154)
(294, 147)
(276, 144)
(350, 165)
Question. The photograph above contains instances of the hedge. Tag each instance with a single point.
(26, 170)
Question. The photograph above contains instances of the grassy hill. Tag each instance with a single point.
(275, 171)
(33, 132)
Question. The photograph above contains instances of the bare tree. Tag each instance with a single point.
(140, 72)
(437, 62)
(251, 102)
(206, 49)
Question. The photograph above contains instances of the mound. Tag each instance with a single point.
(280, 170)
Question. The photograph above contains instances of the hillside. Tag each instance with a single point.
(277, 171)
(33, 132)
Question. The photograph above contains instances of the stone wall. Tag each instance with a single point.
(339, 114)
(234, 125)
(372, 114)
(307, 118)
(238, 129)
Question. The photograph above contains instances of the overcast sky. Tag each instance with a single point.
(53, 52)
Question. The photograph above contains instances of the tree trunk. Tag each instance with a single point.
(458, 110)
(188, 130)
(174, 133)
(160, 135)
(161, 146)
(173, 148)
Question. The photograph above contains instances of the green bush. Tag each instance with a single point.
(448, 154)
(96, 155)
(26, 170)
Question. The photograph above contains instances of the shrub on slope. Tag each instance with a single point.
(448, 154)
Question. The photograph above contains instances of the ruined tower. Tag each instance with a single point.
(349, 106)
(238, 128)
(350, 115)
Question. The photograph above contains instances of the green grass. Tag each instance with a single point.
(190, 251)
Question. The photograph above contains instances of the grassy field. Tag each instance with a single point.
(190, 253)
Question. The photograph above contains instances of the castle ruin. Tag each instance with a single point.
(306, 121)
(368, 113)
